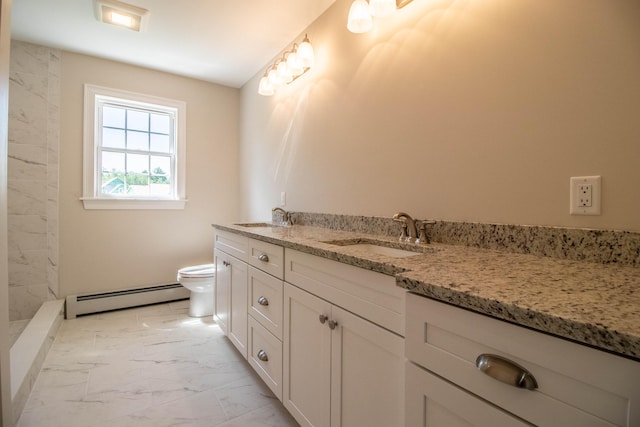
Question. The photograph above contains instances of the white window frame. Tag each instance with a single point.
(91, 197)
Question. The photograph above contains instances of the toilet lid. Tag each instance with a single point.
(205, 270)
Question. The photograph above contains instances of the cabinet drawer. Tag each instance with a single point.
(577, 385)
(232, 244)
(264, 345)
(368, 294)
(434, 402)
(265, 300)
(266, 257)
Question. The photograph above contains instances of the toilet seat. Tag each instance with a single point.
(197, 271)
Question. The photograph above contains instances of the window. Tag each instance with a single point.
(134, 150)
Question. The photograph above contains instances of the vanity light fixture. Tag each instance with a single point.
(361, 13)
(294, 63)
(121, 14)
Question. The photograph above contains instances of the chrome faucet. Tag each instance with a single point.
(286, 217)
(412, 232)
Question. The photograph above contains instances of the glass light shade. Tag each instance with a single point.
(283, 72)
(265, 88)
(360, 20)
(274, 79)
(294, 65)
(306, 56)
(382, 8)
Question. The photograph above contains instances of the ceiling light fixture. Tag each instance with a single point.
(121, 14)
(361, 13)
(293, 64)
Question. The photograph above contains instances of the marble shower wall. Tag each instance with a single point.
(34, 135)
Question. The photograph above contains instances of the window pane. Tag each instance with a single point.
(137, 120)
(137, 140)
(112, 138)
(160, 143)
(113, 117)
(112, 176)
(113, 162)
(137, 163)
(160, 123)
(161, 167)
(161, 176)
(137, 184)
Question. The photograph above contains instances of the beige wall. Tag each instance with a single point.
(104, 250)
(456, 110)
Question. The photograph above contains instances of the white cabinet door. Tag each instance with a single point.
(306, 358)
(238, 327)
(348, 376)
(367, 378)
(222, 290)
(434, 402)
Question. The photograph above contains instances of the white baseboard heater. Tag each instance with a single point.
(105, 301)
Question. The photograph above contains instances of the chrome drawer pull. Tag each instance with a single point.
(262, 355)
(263, 301)
(263, 257)
(506, 371)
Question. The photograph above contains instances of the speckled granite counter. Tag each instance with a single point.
(590, 303)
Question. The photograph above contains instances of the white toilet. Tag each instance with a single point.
(199, 280)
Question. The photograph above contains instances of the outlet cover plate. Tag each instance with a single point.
(576, 184)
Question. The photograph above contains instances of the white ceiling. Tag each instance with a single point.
(221, 41)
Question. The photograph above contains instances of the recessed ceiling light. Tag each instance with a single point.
(122, 14)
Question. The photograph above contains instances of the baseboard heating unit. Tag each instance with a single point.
(77, 305)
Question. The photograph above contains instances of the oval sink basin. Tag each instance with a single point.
(381, 247)
(383, 250)
(259, 224)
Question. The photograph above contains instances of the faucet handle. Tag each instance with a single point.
(423, 237)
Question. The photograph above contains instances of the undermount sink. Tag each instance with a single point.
(383, 250)
(259, 224)
(380, 247)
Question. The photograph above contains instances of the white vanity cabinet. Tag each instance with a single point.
(248, 301)
(343, 365)
(230, 306)
(576, 386)
(265, 297)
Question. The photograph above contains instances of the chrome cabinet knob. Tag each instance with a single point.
(263, 257)
(323, 318)
(225, 263)
(332, 324)
(263, 301)
(262, 355)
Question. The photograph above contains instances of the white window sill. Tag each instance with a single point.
(123, 204)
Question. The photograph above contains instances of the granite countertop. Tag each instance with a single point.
(590, 303)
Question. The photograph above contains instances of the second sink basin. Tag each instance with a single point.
(381, 247)
(383, 250)
(259, 224)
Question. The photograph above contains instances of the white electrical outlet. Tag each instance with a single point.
(585, 192)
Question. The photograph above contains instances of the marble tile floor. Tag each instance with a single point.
(148, 366)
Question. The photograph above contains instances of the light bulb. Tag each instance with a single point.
(305, 54)
(274, 79)
(294, 65)
(283, 72)
(382, 8)
(265, 88)
(360, 20)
